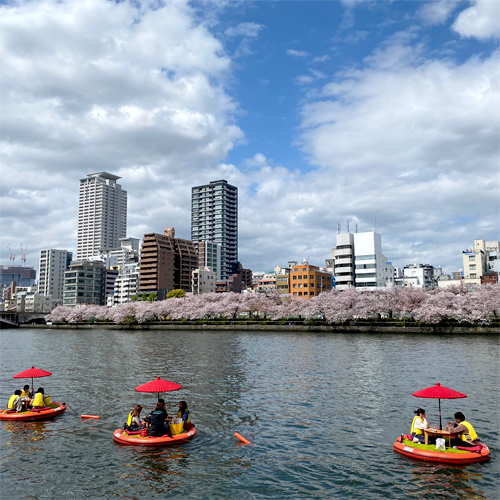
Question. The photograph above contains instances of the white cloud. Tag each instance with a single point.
(304, 79)
(96, 85)
(297, 53)
(248, 30)
(437, 11)
(481, 20)
(321, 58)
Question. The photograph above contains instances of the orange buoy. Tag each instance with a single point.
(241, 438)
(90, 416)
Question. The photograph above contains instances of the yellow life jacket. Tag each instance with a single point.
(25, 394)
(417, 431)
(39, 400)
(179, 415)
(129, 420)
(472, 432)
(10, 406)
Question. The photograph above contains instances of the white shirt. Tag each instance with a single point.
(421, 425)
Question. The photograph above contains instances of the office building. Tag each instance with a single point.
(357, 260)
(166, 263)
(308, 281)
(102, 215)
(22, 276)
(53, 264)
(214, 218)
(85, 284)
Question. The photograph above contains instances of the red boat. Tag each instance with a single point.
(121, 436)
(458, 457)
(45, 413)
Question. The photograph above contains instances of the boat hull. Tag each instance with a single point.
(30, 416)
(121, 437)
(441, 456)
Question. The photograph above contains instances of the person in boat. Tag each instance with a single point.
(26, 396)
(418, 425)
(134, 419)
(156, 420)
(184, 414)
(39, 400)
(466, 435)
(15, 401)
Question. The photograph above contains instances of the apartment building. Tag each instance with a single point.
(214, 218)
(102, 215)
(166, 263)
(209, 255)
(53, 264)
(203, 281)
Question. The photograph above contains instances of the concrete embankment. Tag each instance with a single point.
(351, 328)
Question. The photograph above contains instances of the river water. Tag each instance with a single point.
(322, 412)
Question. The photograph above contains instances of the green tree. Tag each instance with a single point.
(176, 294)
(134, 298)
(144, 297)
(152, 297)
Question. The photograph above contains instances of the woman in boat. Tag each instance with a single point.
(134, 419)
(418, 425)
(183, 414)
(39, 400)
(466, 434)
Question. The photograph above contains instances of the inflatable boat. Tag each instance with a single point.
(44, 413)
(122, 437)
(429, 453)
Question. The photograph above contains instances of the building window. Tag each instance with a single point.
(300, 276)
(294, 277)
(473, 276)
(472, 267)
(300, 294)
(311, 293)
(305, 293)
(472, 257)
(305, 285)
(295, 293)
(295, 285)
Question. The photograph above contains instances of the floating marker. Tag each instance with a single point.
(241, 438)
(90, 416)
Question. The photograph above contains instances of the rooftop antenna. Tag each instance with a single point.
(356, 227)
(347, 225)
(12, 257)
(338, 228)
(375, 224)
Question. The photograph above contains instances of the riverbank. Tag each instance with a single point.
(353, 327)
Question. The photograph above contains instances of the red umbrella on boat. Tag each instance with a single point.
(439, 392)
(33, 373)
(158, 385)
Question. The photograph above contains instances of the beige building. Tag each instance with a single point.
(308, 281)
(203, 281)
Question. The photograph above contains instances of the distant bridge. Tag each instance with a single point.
(10, 319)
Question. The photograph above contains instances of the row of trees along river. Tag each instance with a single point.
(464, 303)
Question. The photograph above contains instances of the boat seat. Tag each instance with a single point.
(43, 408)
(479, 447)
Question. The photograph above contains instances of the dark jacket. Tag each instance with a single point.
(156, 420)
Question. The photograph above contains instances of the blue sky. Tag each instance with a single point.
(318, 111)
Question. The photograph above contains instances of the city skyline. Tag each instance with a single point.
(381, 113)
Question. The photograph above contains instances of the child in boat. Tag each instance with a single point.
(465, 433)
(418, 425)
(15, 401)
(134, 419)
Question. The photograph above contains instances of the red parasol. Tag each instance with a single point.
(158, 385)
(32, 373)
(439, 392)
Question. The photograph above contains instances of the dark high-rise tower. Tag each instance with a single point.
(214, 218)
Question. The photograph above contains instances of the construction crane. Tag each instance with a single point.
(23, 253)
(12, 256)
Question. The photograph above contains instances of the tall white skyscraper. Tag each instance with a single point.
(102, 215)
(53, 263)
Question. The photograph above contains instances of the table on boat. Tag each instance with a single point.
(438, 433)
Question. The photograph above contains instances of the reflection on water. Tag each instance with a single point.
(321, 411)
